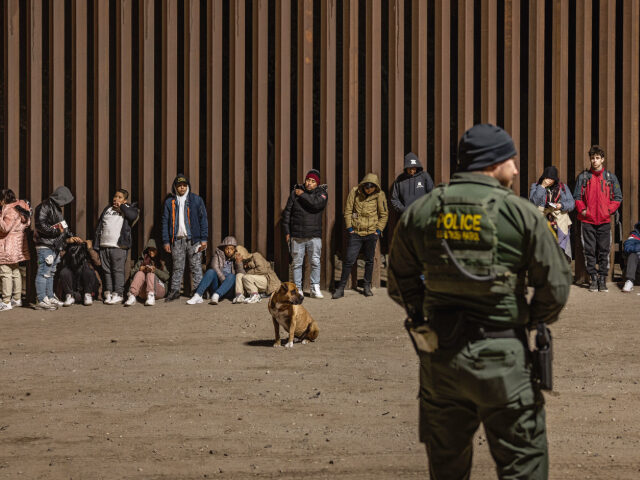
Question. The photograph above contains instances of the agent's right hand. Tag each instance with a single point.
(167, 248)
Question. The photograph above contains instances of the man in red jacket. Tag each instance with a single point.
(597, 196)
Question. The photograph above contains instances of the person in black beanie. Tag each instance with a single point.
(477, 246)
(302, 225)
(411, 184)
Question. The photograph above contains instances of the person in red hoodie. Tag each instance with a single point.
(598, 196)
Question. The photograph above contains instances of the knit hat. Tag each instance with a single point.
(484, 145)
(313, 173)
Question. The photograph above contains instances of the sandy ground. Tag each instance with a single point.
(186, 392)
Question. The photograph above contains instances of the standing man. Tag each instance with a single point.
(51, 237)
(476, 243)
(302, 224)
(184, 233)
(597, 196)
(411, 184)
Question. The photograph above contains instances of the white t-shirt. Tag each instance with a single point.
(111, 227)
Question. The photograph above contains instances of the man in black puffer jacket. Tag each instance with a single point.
(302, 224)
(411, 184)
(51, 236)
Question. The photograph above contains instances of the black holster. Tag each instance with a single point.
(543, 357)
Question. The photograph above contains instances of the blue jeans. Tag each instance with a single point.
(211, 282)
(311, 246)
(46, 272)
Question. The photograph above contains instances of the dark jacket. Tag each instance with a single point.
(599, 194)
(632, 244)
(409, 188)
(302, 217)
(48, 214)
(196, 221)
(130, 214)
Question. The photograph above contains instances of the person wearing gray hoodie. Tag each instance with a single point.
(51, 236)
(411, 184)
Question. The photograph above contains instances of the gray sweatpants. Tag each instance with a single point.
(181, 250)
(113, 261)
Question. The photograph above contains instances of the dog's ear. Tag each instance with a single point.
(283, 288)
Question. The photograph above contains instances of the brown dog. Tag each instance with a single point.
(286, 309)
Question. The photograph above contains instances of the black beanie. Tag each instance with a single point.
(484, 145)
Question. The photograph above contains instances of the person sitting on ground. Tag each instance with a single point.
(632, 253)
(79, 278)
(259, 277)
(365, 216)
(51, 236)
(555, 201)
(149, 277)
(15, 219)
(302, 225)
(113, 241)
(220, 277)
(411, 184)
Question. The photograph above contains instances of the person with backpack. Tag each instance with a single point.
(597, 195)
(554, 199)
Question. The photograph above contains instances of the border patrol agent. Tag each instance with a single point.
(476, 243)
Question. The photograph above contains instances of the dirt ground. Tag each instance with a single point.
(186, 392)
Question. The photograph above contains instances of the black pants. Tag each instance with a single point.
(78, 284)
(596, 243)
(356, 242)
(632, 266)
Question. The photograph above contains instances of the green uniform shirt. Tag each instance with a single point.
(526, 247)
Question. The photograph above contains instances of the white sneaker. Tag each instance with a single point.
(151, 299)
(195, 299)
(88, 299)
(239, 299)
(315, 291)
(69, 300)
(55, 301)
(106, 298)
(131, 300)
(5, 306)
(16, 303)
(254, 298)
(115, 299)
(628, 286)
(45, 305)
(214, 299)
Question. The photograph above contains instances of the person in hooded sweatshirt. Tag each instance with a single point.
(631, 251)
(365, 216)
(51, 236)
(554, 199)
(411, 184)
(149, 277)
(184, 233)
(15, 218)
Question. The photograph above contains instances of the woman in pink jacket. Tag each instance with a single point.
(14, 221)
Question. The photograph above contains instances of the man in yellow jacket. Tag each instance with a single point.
(365, 216)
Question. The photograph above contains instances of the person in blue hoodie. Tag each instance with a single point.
(185, 231)
(632, 253)
(411, 184)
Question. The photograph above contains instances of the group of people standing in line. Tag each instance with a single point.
(97, 269)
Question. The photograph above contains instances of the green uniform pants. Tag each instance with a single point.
(486, 381)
